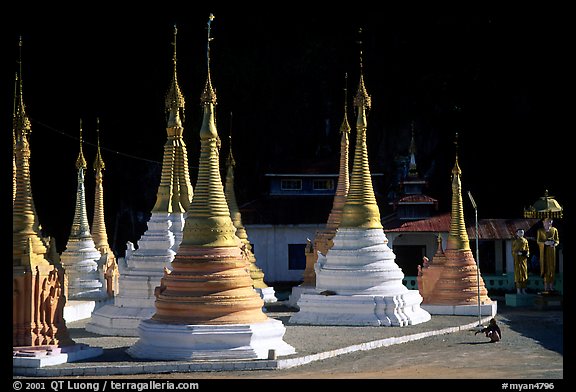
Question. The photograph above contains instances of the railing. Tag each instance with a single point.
(503, 282)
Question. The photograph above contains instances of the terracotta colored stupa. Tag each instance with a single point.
(142, 269)
(206, 307)
(460, 286)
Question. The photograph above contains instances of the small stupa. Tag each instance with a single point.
(257, 275)
(108, 266)
(206, 307)
(141, 269)
(80, 258)
(433, 270)
(358, 282)
(323, 238)
(39, 333)
(460, 289)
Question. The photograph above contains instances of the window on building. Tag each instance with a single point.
(291, 184)
(323, 185)
(296, 256)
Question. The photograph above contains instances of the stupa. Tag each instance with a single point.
(80, 258)
(39, 333)
(433, 270)
(142, 269)
(460, 289)
(206, 307)
(323, 239)
(257, 275)
(358, 282)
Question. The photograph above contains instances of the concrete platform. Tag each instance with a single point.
(75, 310)
(42, 356)
(516, 300)
(462, 310)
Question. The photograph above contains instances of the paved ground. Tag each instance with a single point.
(532, 349)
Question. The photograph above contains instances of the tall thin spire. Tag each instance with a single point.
(25, 220)
(361, 209)
(412, 170)
(458, 237)
(99, 234)
(80, 226)
(175, 189)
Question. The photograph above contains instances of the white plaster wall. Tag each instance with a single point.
(271, 248)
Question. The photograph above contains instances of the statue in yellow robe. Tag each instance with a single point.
(520, 252)
(547, 239)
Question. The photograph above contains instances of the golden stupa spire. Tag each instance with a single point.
(175, 189)
(209, 282)
(361, 209)
(99, 234)
(80, 226)
(255, 272)
(458, 237)
(412, 170)
(343, 186)
(24, 218)
(208, 222)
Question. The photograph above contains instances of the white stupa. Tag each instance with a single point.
(358, 281)
(141, 269)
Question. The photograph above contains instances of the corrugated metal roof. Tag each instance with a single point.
(435, 224)
(416, 199)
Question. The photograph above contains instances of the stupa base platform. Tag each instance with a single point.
(519, 300)
(210, 342)
(297, 292)
(113, 320)
(267, 294)
(463, 310)
(361, 310)
(41, 356)
(76, 309)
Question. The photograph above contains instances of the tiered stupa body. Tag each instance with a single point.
(142, 269)
(39, 330)
(358, 282)
(257, 275)
(323, 239)
(432, 271)
(80, 258)
(107, 264)
(206, 307)
(460, 286)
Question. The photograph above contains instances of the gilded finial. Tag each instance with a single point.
(345, 127)
(209, 94)
(98, 161)
(362, 98)
(456, 169)
(230, 162)
(80, 162)
(21, 123)
(174, 98)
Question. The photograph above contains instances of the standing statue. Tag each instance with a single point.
(547, 239)
(520, 252)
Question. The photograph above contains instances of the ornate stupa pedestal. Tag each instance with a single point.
(39, 333)
(141, 269)
(358, 281)
(206, 307)
(460, 289)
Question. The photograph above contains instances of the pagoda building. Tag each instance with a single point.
(81, 259)
(257, 275)
(107, 264)
(39, 332)
(142, 269)
(206, 307)
(323, 239)
(358, 282)
(460, 288)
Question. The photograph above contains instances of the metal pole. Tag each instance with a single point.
(477, 258)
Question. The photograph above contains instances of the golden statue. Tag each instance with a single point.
(547, 239)
(520, 252)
